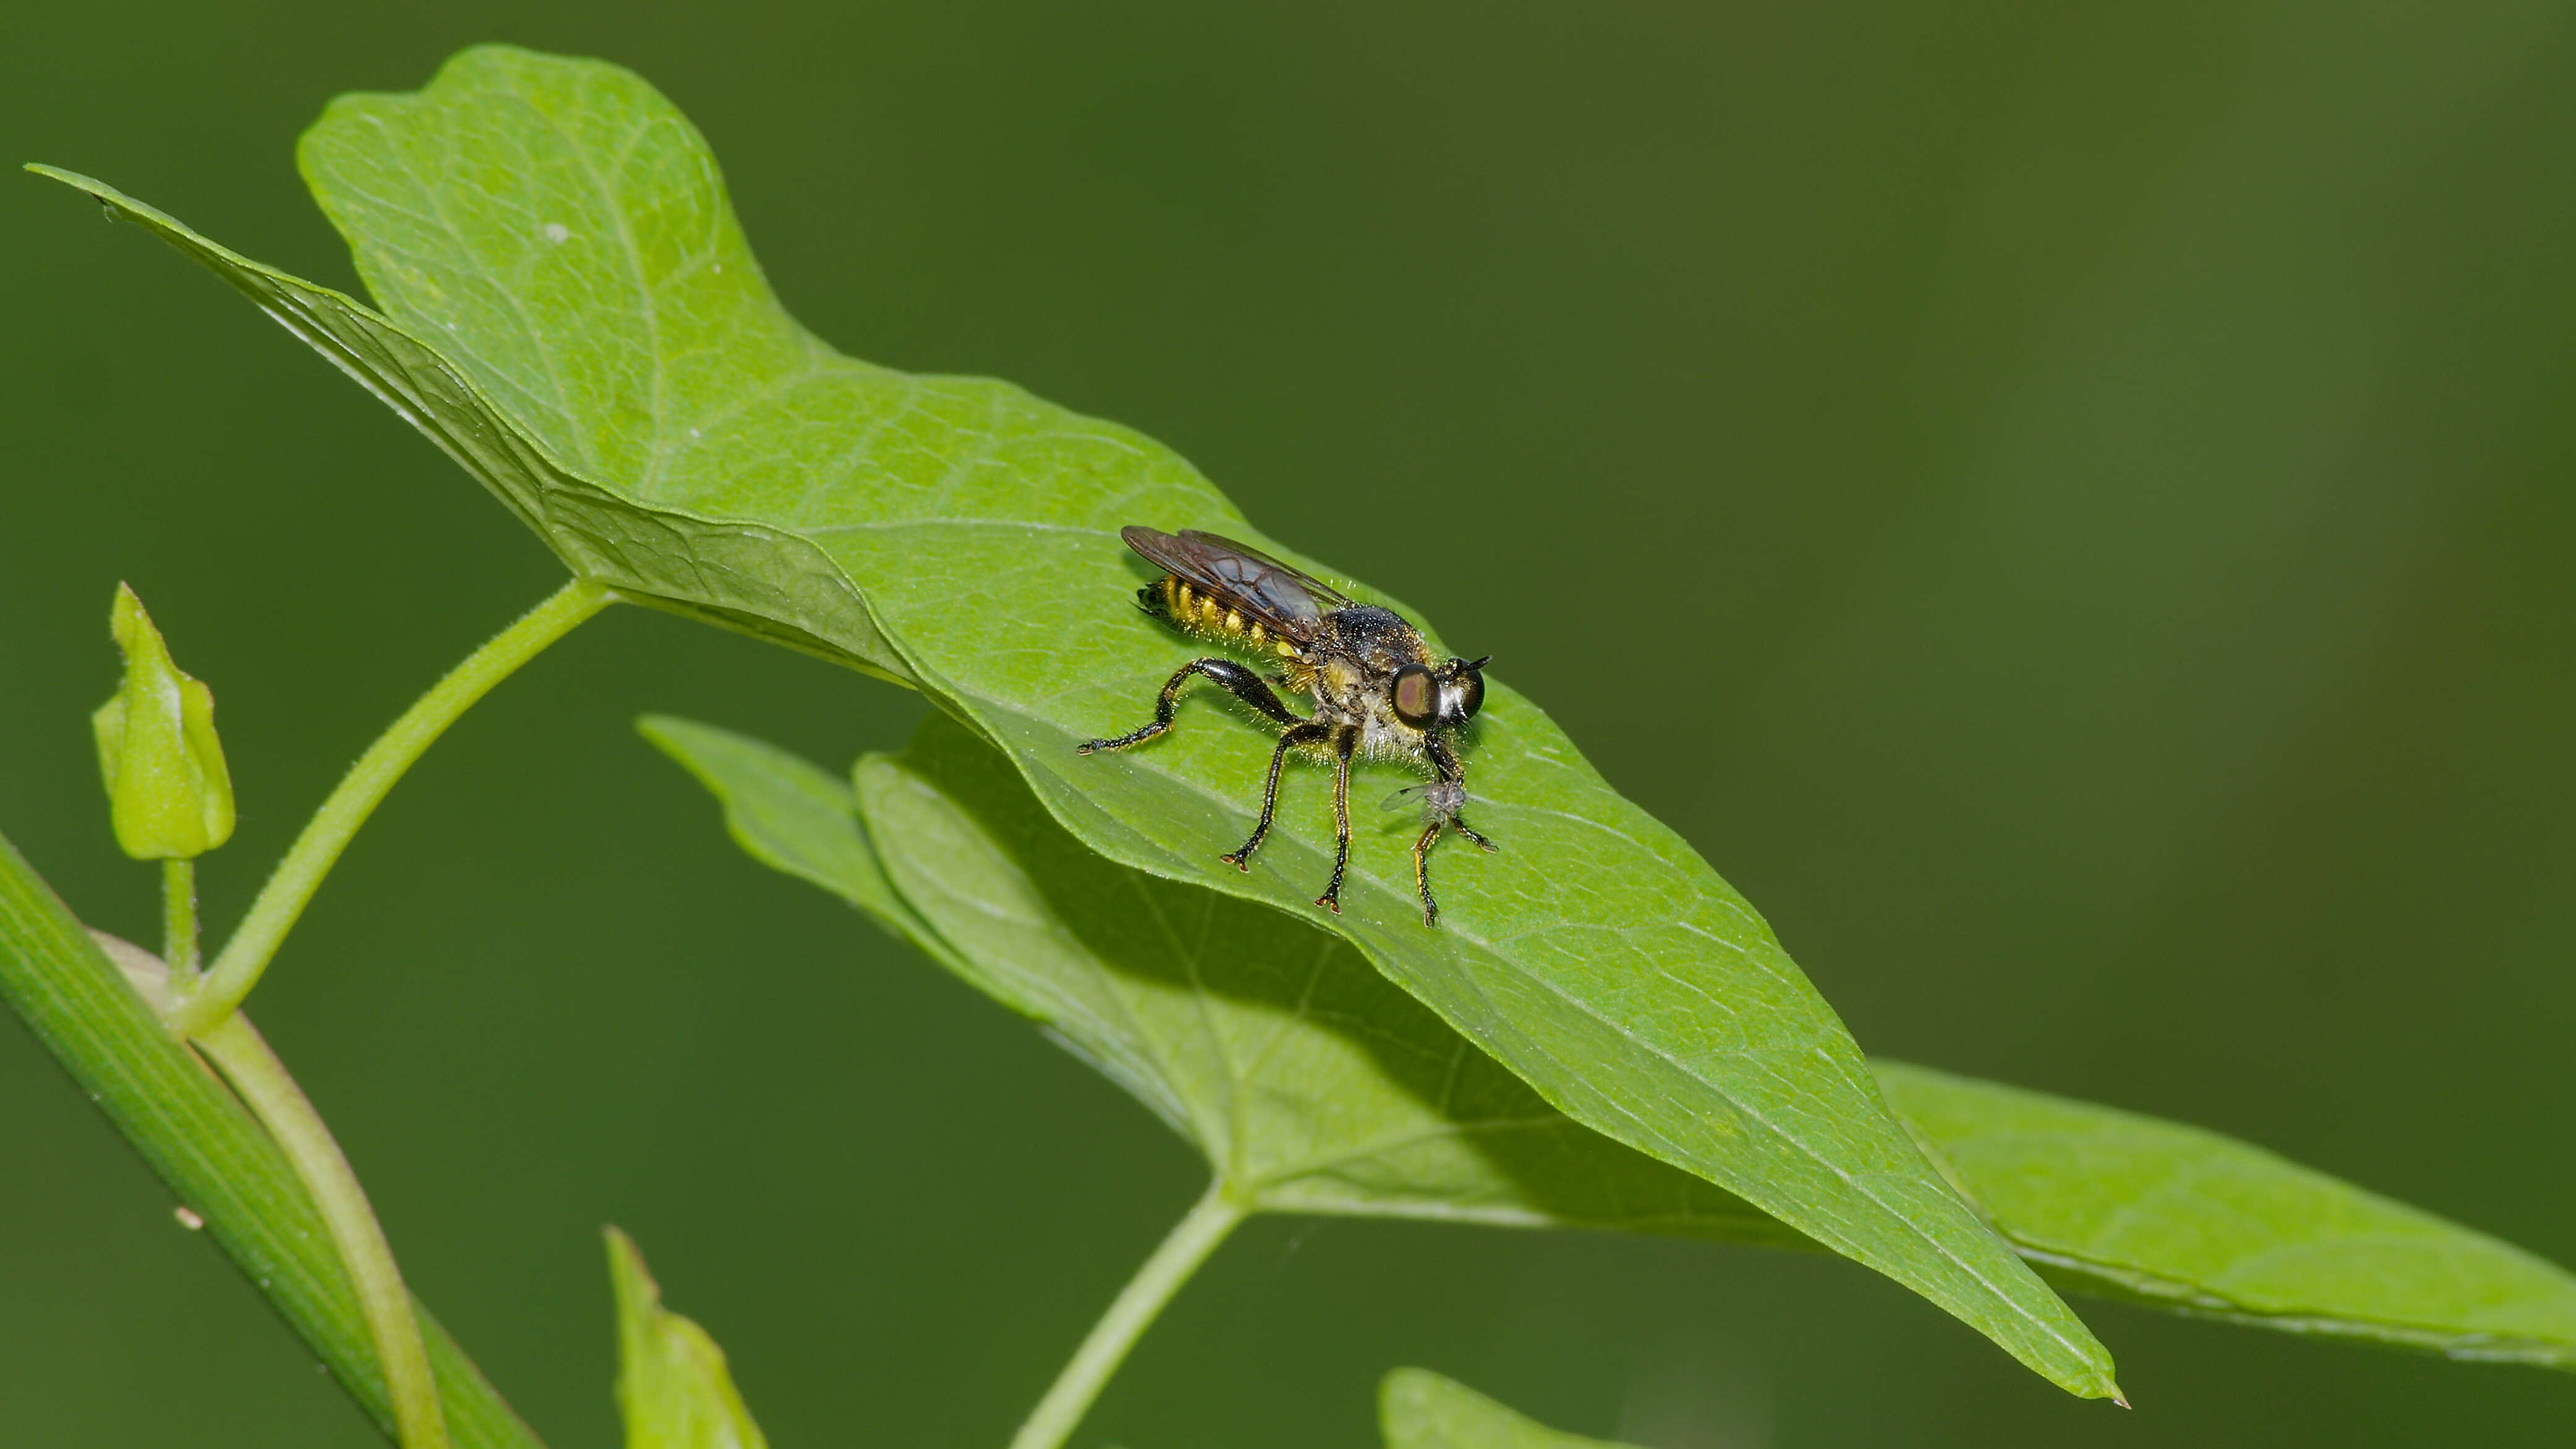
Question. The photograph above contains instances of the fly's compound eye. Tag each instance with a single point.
(1416, 695)
(1463, 694)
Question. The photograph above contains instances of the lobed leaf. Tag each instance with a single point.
(673, 1389)
(1418, 1409)
(1313, 1087)
(571, 310)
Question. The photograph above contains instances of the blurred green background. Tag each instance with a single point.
(2068, 507)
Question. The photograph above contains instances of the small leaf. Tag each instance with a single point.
(2177, 1217)
(786, 813)
(168, 792)
(794, 817)
(1418, 1409)
(672, 1387)
(1297, 1081)
(571, 310)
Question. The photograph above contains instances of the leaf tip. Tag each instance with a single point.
(627, 1274)
(673, 1387)
(71, 179)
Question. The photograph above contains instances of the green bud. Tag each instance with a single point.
(167, 788)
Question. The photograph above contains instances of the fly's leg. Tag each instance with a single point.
(1422, 863)
(1304, 732)
(1238, 681)
(1422, 870)
(1444, 764)
(1345, 743)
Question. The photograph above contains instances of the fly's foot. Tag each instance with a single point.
(1241, 856)
(1120, 742)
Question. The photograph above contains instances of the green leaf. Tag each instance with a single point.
(1418, 1409)
(216, 1159)
(572, 311)
(672, 1386)
(2177, 1217)
(789, 815)
(1289, 1063)
(1310, 1083)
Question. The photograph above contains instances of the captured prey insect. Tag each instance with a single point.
(1378, 692)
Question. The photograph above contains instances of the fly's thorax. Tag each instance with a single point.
(1341, 683)
(1378, 638)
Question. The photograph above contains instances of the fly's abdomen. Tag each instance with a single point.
(1210, 615)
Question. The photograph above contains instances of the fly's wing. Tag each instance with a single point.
(1324, 594)
(1242, 577)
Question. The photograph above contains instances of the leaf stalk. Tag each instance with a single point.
(291, 886)
(1186, 1247)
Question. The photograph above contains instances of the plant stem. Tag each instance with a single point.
(262, 1082)
(107, 1028)
(179, 921)
(290, 887)
(1188, 1245)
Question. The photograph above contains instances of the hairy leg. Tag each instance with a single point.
(1238, 681)
(1346, 742)
(1304, 732)
(1422, 870)
(1447, 770)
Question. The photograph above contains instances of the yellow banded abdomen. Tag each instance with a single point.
(1214, 617)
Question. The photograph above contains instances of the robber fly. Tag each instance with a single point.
(1378, 692)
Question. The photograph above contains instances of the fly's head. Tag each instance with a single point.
(1438, 696)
